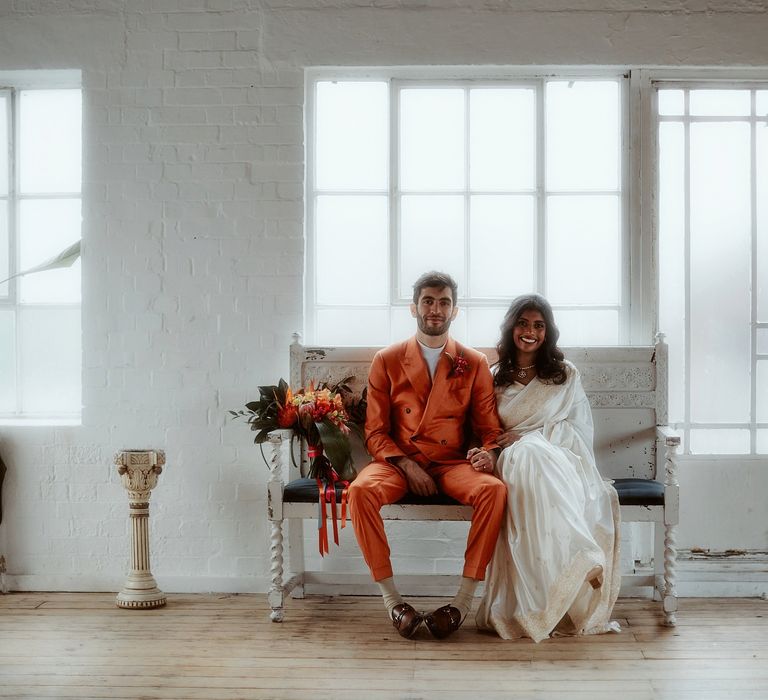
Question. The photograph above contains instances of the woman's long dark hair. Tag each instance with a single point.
(549, 358)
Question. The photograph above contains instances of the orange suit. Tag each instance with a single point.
(430, 421)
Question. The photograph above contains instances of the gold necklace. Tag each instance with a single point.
(521, 373)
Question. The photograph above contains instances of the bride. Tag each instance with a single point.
(555, 569)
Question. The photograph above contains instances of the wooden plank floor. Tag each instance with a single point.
(223, 647)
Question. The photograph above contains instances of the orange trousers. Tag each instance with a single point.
(380, 483)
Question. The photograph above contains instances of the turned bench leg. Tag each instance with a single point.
(276, 595)
(670, 576)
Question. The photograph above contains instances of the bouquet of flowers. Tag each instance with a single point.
(316, 413)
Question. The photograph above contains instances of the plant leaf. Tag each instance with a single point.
(336, 447)
(66, 258)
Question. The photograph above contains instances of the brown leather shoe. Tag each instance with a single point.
(406, 620)
(444, 621)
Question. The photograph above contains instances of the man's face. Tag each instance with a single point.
(434, 311)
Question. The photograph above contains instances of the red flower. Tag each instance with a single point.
(460, 364)
(287, 416)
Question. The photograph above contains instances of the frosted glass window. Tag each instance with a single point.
(672, 258)
(722, 441)
(432, 139)
(720, 103)
(583, 121)
(47, 227)
(4, 111)
(484, 325)
(761, 103)
(50, 141)
(762, 442)
(351, 232)
(587, 327)
(762, 341)
(352, 135)
(4, 249)
(720, 293)
(432, 238)
(7, 361)
(671, 102)
(50, 360)
(502, 245)
(583, 249)
(762, 222)
(360, 327)
(761, 388)
(502, 139)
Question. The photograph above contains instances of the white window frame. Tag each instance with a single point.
(14, 82)
(726, 78)
(635, 282)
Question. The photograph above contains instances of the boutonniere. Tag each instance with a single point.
(459, 364)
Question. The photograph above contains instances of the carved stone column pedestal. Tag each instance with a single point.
(139, 470)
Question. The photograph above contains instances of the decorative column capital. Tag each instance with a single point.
(138, 470)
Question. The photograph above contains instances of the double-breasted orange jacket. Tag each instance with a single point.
(429, 421)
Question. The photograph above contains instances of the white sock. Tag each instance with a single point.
(389, 593)
(463, 599)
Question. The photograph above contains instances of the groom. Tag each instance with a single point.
(425, 397)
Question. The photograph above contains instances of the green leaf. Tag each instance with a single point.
(336, 447)
(262, 436)
(66, 258)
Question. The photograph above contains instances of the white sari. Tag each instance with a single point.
(562, 519)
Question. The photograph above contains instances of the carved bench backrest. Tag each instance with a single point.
(626, 386)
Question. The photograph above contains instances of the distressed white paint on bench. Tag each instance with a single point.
(627, 389)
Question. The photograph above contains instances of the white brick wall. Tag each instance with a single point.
(193, 216)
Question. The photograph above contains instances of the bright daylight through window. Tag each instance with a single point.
(713, 264)
(40, 184)
(510, 186)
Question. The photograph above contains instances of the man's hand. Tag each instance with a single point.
(419, 482)
(482, 460)
(508, 437)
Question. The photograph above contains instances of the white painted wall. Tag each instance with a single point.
(193, 229)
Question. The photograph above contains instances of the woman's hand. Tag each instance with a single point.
(509, 437)
(482, 460)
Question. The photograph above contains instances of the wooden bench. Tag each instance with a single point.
(627, 389)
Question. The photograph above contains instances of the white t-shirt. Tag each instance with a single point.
(431, 356)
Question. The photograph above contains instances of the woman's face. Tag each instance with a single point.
(529, 331)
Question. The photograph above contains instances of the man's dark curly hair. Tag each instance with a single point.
(433, 278)
(549, 358)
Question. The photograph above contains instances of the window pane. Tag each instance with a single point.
(431, 139)
(4, 249)
(50, 360)
(720, 103)
(351, 233)
(502, 245)
(762, 341)
(7, 362)
(720, 441)
(50, 148)
(4, 107)
(583, 135)
(762, 222)
(720, 295)
(583, 249)
(502, 138)
(432, 238)
(352, 135)
(761, 103)
(672, 259)
(762, 442)
(761, 387)
(671, 102)
(484, 324)
(584, 327)
(361, 327)
(47, 227)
